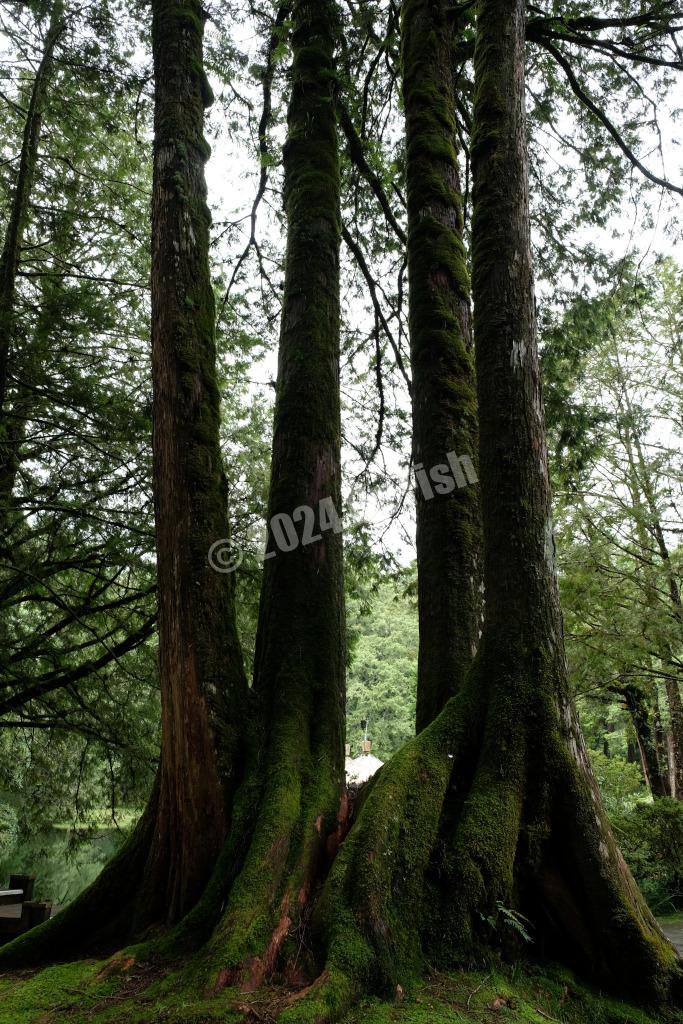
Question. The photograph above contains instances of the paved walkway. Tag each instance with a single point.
(673, 929)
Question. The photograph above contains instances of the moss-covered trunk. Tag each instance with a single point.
(565, 868)
(492, 810)
(165, 865)
(203, 687)
(444, 395)
(300, 662)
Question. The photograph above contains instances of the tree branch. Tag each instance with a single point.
(583, 96)
(58, 680)
(358, 158)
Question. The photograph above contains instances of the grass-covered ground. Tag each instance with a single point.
(88, 992)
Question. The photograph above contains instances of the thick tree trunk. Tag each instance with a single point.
(12, 421)
(168, 861)
(444, 395)
(538, 749)
(493, 808)
(203, 688)
(300, 654)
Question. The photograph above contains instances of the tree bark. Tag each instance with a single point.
(163, 869)
(444, 391)
(655, 776)
(299, 675)
(493, 808)
(203, 687)
(522, 646)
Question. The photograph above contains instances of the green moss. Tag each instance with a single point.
(83, 993)
(64, 988)
(190, 16)
(445, 409)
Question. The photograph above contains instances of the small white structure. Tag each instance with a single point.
(360, 769)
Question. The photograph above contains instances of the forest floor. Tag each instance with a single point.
(91, 993)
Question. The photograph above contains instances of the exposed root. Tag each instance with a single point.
(488, 818)
(449, 864)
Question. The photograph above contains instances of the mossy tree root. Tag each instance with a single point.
(374, 904)
(473, 841)
(300, 812)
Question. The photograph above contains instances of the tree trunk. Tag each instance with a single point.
(655, 776)
(660, 741)
(203, 687)
(168, 860)
(300, 652)
(537, 762)
(493, 809)
(673, 699)
(444, 390)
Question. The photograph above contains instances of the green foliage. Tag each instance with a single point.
(382, 675)
(651, 839)
(615, 394)
(621, 783)
(518, 922)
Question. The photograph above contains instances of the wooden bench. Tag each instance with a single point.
(8, 897)
(19, 912)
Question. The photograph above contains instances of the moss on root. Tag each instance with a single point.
(86, 993)
(368, 919)
(486, 820)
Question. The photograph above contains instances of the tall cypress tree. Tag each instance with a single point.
(491, 810)
(203, 686)
(163, 868)
(261, 770)
(300, 658)
(442, 361)
(494, 805)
